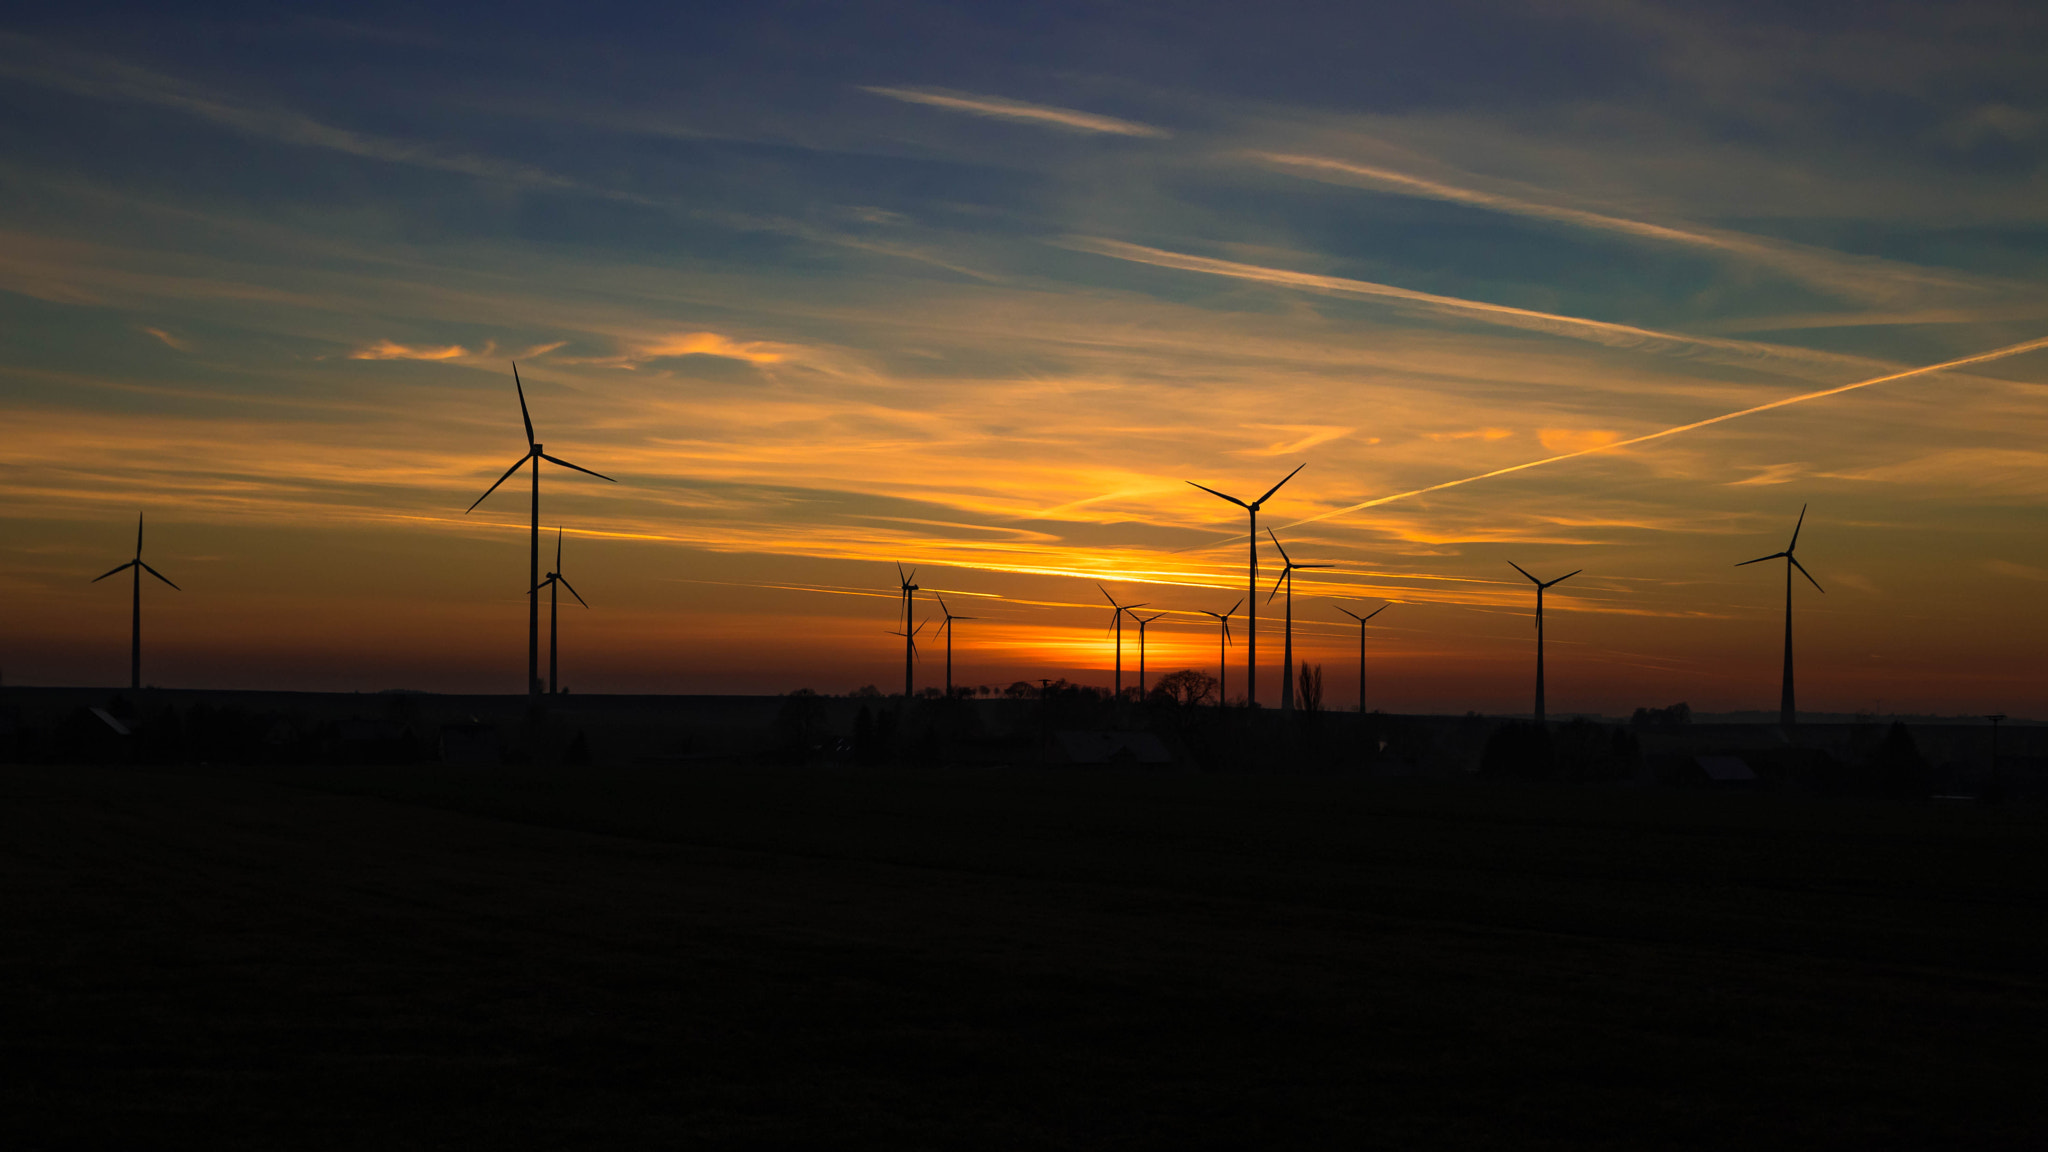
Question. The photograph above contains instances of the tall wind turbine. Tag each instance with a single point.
(1116, 617)
(534, 455)
(1142, 621)
(1361, 648)
(1787, 712)
(554, 583)
(138, 567)
(1251, 651)
(1223, 642)
(948, 628)
(1540, 586)
(907, 591)
(1287, 569)
(910, 651)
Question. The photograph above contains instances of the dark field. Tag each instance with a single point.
(727, 957)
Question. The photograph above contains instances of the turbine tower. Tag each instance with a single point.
(534, 455)
(553, 584)
(1223, 642)
(138, 567)
(1251, 634)
(1142, 622)
(1116, 617)
(906, 608)
(1361, 648)
(1287, 569)
(1788, 713)
(1540, 586)
(947, 627)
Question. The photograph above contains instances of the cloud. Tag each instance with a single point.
(1576, 327)
(2009, 568)
(1861, 278)
(1575, 439)
(1771, 474)
(1005, 109)
(1474, 434)
(388, 350)
(712, 344)
(169, 339)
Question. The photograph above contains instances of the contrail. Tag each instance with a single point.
(1979, 358)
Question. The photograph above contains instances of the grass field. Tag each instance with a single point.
(728, 957)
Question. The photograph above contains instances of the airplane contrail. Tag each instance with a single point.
(1979, 358)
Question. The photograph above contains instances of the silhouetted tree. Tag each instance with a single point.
(1021, 690)
(1311, 695)
(1896, 767)
(1676, 716)
(1186, 687)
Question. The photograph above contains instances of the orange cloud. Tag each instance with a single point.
(388, 350)
(1475, 434)
(712, 344)
(1575, 439)
(169, 339)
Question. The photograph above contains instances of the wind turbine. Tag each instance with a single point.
(1142, 621)
(554, 583)
(1287, 569)
(1251, 651)
(907, 589)
(948, 628)
(535, 456)
(1540, 586)
(1222, 642)
(138, 567)
(910, 653)
(1787, 713)
(1116, 617)
(1361, 648)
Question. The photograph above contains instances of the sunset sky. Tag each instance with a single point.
(979, 289)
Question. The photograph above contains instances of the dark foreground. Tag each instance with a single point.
(733, 957)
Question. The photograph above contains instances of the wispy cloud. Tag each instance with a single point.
(1576, 327)
(1859, 278)
(1005, 109)
(391, 350)
(169, 340)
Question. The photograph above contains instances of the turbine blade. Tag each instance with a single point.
(1284, 573)
(1276, 487)
(573, 592)
(494, 487)
(1797, 525)
(900, 577)
(1809, 576)
(1563, 578)
(558, 549)
(528, 420)
(1315, 565)
(578, 467)
(1523, 571)
(1349, 612)
(1761, 559)
(1106, 595)
(1283, 548)
(175, 588)
(1375, 612)
(111, 571)
(138, 535)
(1235, 607)
(1213, 492)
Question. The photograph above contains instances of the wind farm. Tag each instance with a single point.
(1038, 311)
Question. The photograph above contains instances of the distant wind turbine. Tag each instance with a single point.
(1788, 713)
(907, 590)
(1251, 651)
(1361, 648)
(138, 567)
(1540, 586)
(554, 583)
(1287, 570)
(1116, 616)
(1223, 642)
(533, 581)
(947, 627)
(910, 653)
